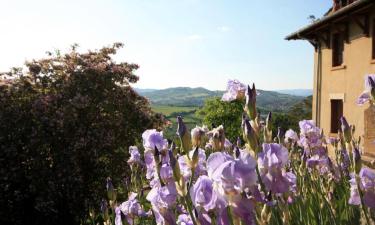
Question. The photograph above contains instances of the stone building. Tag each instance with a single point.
(344, 42)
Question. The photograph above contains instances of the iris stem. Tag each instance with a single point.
(362, 204)
(191, 179)
(187, 206)
(229, 211)
(262, 187)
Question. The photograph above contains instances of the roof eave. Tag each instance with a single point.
(300, 34)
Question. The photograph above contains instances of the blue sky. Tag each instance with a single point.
(176, 42)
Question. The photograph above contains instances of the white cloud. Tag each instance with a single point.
(194, 37)
(224, 29)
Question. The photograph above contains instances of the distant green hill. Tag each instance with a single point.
(195, 97)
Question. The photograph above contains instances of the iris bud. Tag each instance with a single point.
(195, 158)
(181, 187)
(249, 134)
(238, 142)
(184, 135)
(269, 121)
(357, 160)
(111, 193)
(346, 130)
(250, 106)
(217, 136)
(268, 129)
(237, 152)
(279, 134)
(104, 209)
(175, 166)
(372, 85)
(196, 136)
(158, 164)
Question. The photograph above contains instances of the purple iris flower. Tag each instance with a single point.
(272, 161)
(317, 161)
(203, 194)
(291, 136)
(310, 137)
(366, 95)
(324, 164)
(162, 199)
(367, 186)
(345, 162)
(135, 156)
(184, 219)
(153, 138)
(235, 90)
(234, 175)
(150, 164)
(332, 140)
(118, 219)
(131, 209)
(185, 166)
(166, 173)
(243, 208)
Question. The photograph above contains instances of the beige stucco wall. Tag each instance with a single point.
(346, 82)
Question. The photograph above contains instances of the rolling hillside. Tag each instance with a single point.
(297, 92)
(195, 97)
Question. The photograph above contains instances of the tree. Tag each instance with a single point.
(65, 125)
(228, 114)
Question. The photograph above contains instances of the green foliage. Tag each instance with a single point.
(289, 120)
(227, 114)
(65, 125)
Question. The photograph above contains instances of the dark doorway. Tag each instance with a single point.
(336, 114)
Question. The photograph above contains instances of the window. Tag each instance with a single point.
(337, 49)
(336, 114)
(373, 39)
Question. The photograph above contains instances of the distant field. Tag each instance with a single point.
(168, 110)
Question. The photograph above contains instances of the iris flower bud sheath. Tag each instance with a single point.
(179, 180)
(175, 166)
(268, 129)
(357, 160)
(250, 106)
(111, 193)
(196, 136)
(158, 164)
(372, 86)
(346, 130)
(184, 135)
(195, 159)
(217, 138)
(249, 134)
(238, 143)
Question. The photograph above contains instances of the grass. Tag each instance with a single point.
(168, 110)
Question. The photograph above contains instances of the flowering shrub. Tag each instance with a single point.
(64, 122)
(269, 179)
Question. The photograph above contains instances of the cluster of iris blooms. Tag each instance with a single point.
(269, 179)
